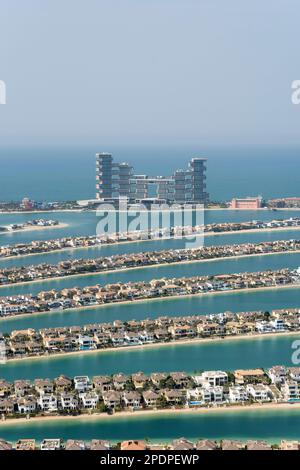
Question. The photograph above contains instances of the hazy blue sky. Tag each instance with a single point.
(149, 71)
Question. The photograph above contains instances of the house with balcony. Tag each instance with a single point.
(102, 383)
(173, 397)
(212, 377)
(34, 347)
(26, 405)
(5, 388)
(151, 398)
(7, 406)
(89, 400)
(212, 394)
(277, 374)
(210, 329)
(18, 349)
(44, 386)
(248, 375)
(181, 379)
(291, 391)
(157, 378)
(120, 380)
(47, 402)
(51, 444)
(112, 399)
(237, 394)
(22, 387)
(82, 383)
(132, 338)
(278, 325)
(146, 336)
(68, 401)
(264, 327)
(63, 383)
(294, 373)
(117, 339)
(182, 331)
(194, 396)
(259, 392)
(10, 309)
(86, 342)
(139, 380)
(132, 399)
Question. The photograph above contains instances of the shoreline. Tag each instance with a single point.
(132, 242)
(161, 412)
(159, 265)
(35, 228)
(170, 297)
(264, 209)
(42, 211)
(157, 345)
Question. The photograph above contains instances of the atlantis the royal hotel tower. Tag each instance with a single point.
(115, 180)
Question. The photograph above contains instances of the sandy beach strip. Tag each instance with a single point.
(158, 345)
(35, 228)
(43, 211)
(151, 266)
(155, 413)
(254, 230)
(147, 300)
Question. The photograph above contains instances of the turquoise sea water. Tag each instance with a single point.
(53, 173)
(271, 425)
(85, 223)
(155, 245)
(224, 355)
(236, 302)
(234, 265)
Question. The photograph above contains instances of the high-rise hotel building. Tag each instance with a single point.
(115, 180)
(112, 179)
